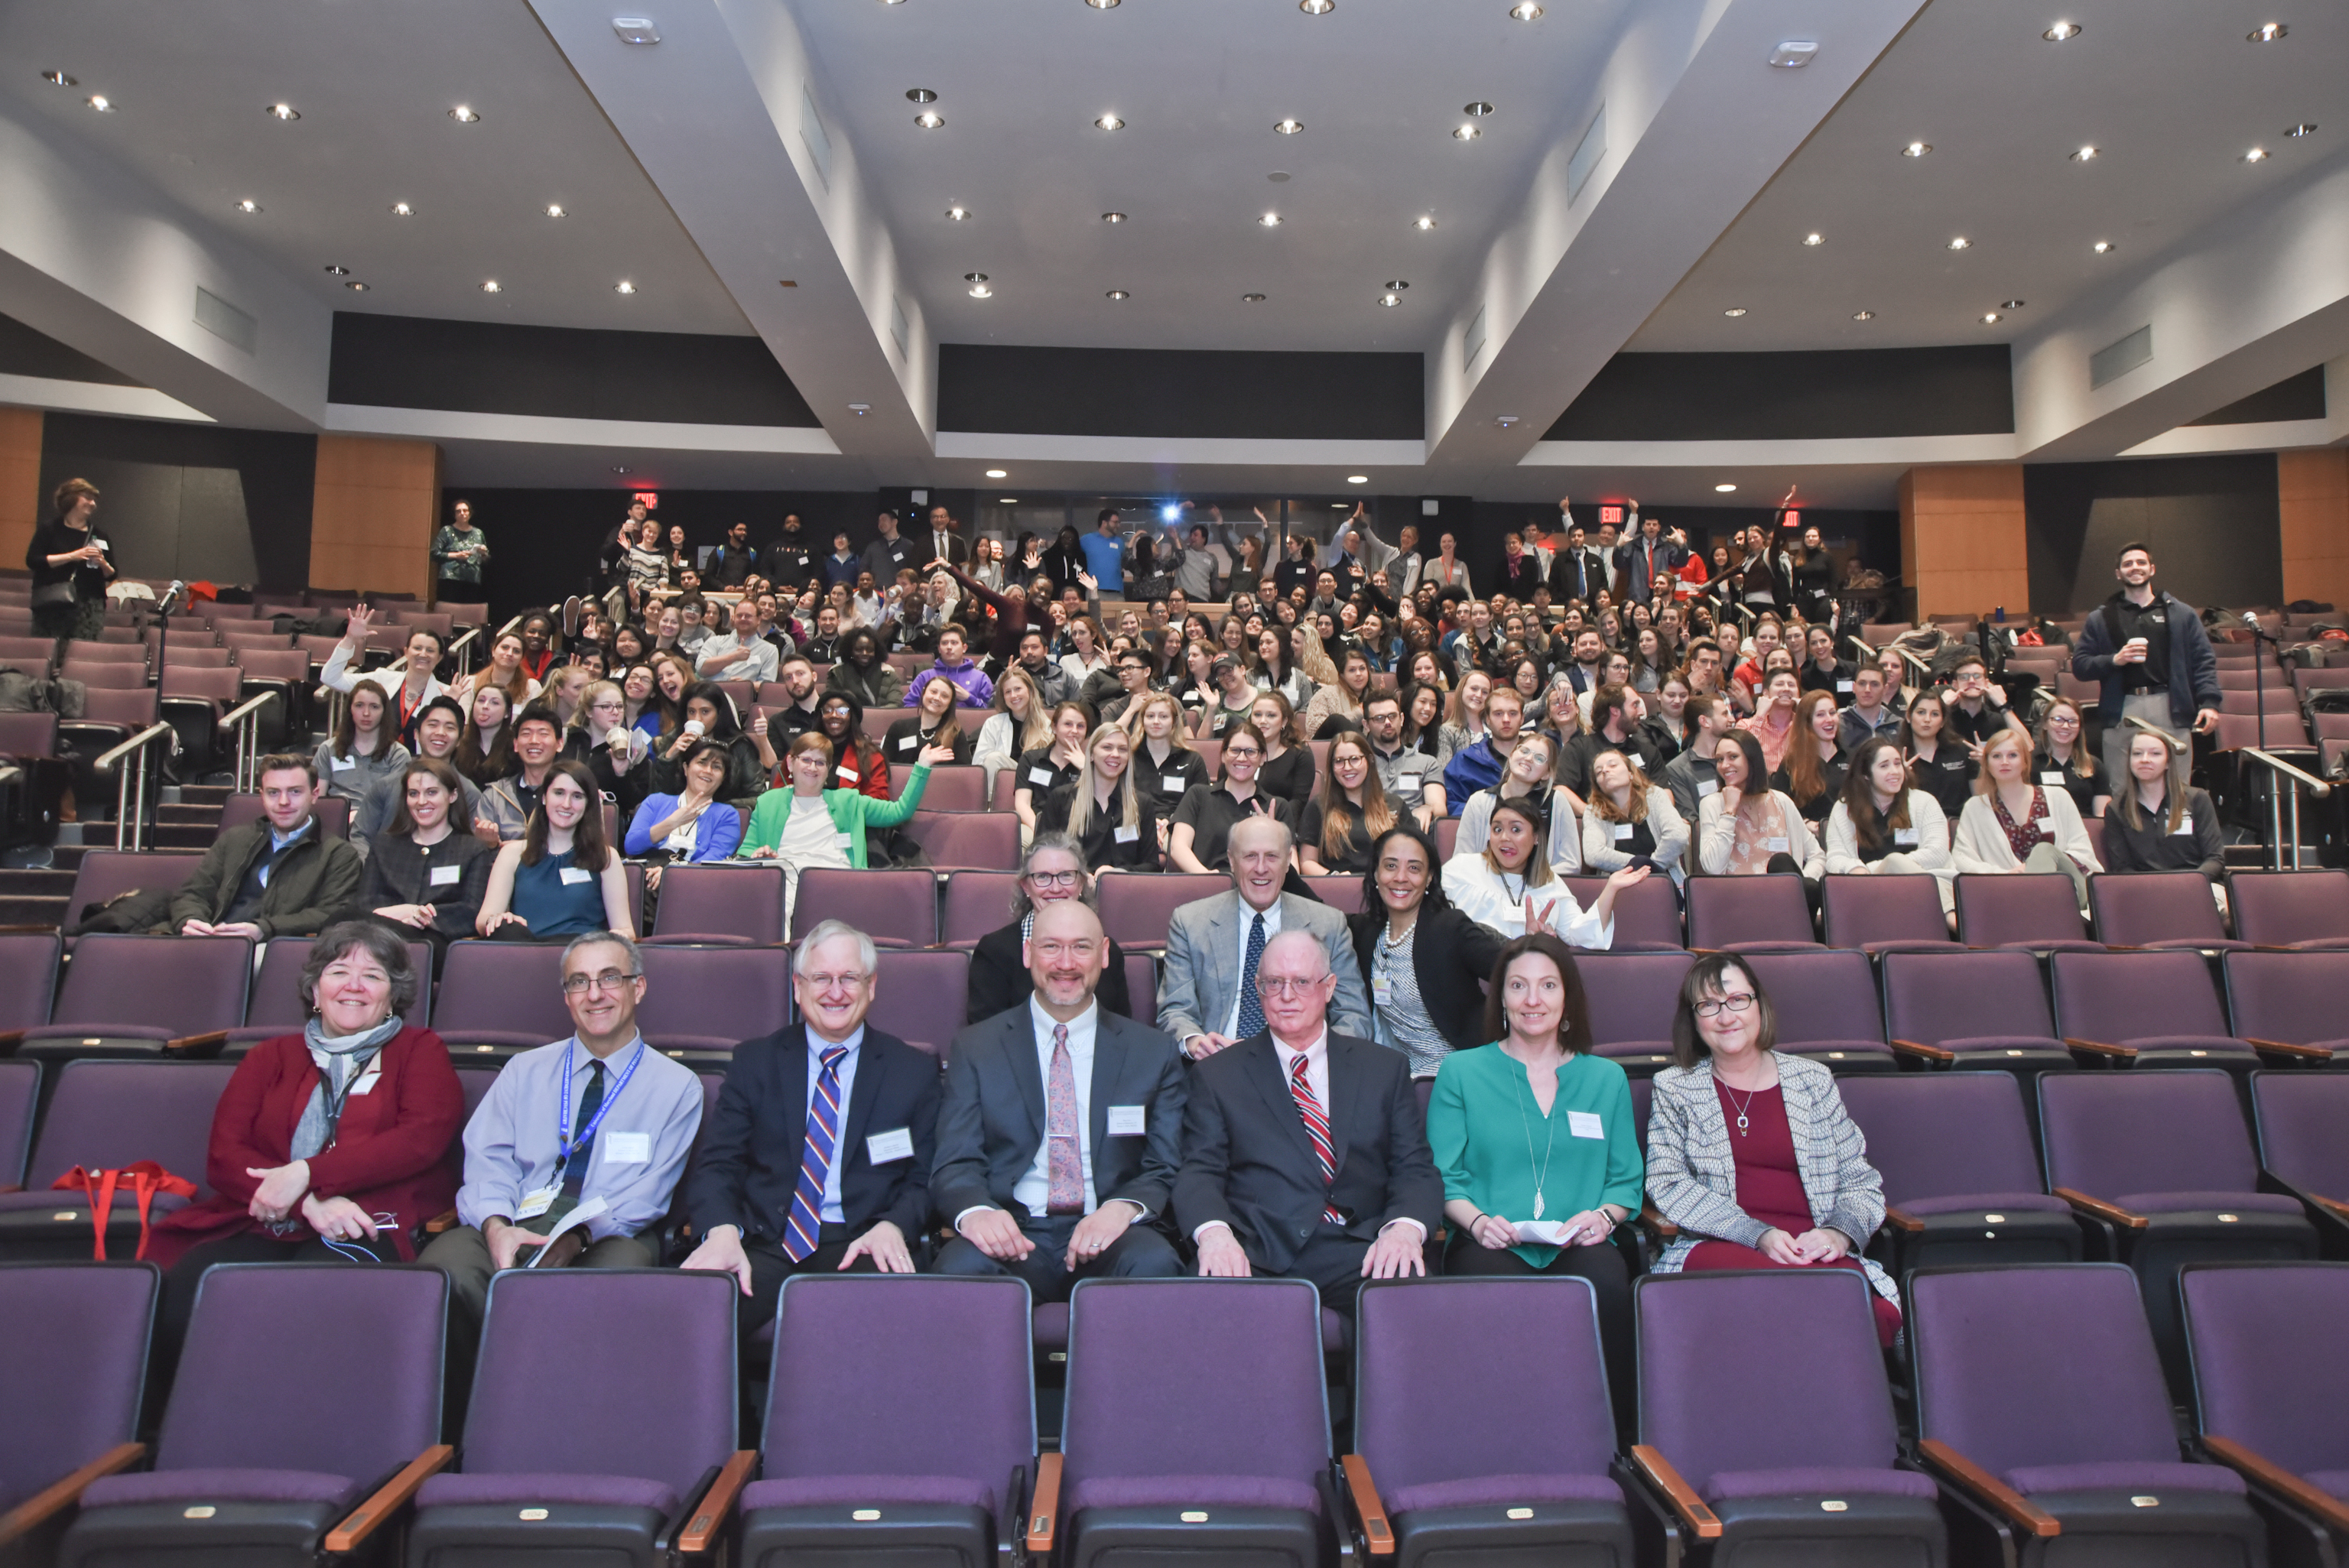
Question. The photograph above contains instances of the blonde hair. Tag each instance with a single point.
(1986, 785)
(2125, 800)
(1175, 739)
(594, 694)
(1315, 660)
(1036, 729)
(1080, 807)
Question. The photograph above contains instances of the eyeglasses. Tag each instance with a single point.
(1737, 1002)
(1054, 879)
(610, 980)
(1281, 985)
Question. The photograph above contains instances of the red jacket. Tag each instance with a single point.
(390, 1153)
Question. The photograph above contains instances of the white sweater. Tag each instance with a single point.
(1930, 849)
(1982, 843)
(1476, 890)
(1716, 836)
(1665, 824)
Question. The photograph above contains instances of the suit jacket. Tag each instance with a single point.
(752, 1140)
(992, 1120)
(1247, 1161)
(999, 980)
(1201, 975)
(958, 550)
(1571, 576)
(1636, 565)
(1449, 954)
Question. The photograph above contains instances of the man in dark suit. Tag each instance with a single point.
(1061, 1127)
(944, 543)
(1648, 555)
(1571, 573)
(817, 1156)
(1304, 1153)
(1054, 868)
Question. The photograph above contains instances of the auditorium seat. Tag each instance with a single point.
(1748, 915)
(921, 996)
(1960, 1173)
(2024, 909)
(24, 735)
(1647, 916)
(2145, 1010)
(28, 977)
(844, 1477)
(966, 840)
(2158, 909)
(1826, 1007)
(2289, 1004)
(2303, 1123)
(107, 1115)
(2163, 1163)
(143, 997)
(105, 675)
(130, 652)
(726, 905)
(275, 1006)
(1971, 1009)
(549, 1474)
(1181, 1470)
(976, 903)
(1756, 1472)
(1447, 837)
(2283, 730)
(20, 1094)
(1137, 910)
(109, 717)
(500, 997)
(2291, 909)
(1001, 795)
(31, 655)
(73, 1355)
(1457, 1457)
(895, 908)
(1633, 997)
(1142, 990)
(701, 1002)
(1340, 891)
(952, 788)
(2269, 1393)
(2040, 1401)
(1886, 915)
(185, 651)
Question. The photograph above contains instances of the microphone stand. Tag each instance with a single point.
(2259, 673)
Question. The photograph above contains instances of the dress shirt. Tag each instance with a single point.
(758, 659)
(511, 1142)
(1034, 1190)
(278, 844)
(1239, 963)
(941, 546)
(817, 1044)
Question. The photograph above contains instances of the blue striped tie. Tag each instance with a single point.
(1251, 1019)
(822, 1136)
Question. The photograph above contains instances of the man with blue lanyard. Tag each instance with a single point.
(597, 1123)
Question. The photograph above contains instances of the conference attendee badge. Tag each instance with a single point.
(574, 875)
(627, 1148)
(2184, 830)
(884, 1148)
(1622, 831)
(1381, 991)
(1844, 686)
(846, 772)
(1128, 1120)
(1128, 835)
(1172, 781)
(447, 876)
(1776, 846)
(1707, 786)
(344, 764)
(1584, 1124)
(536, 1203)
(1039, 776)
(1904, 835)
(907, 743)
(845, 839)
(2054, 776)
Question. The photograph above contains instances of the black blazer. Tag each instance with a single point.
(999, 980)
(1247, 1162)
(1449, 954)
(991, 1120)
(754, 1137)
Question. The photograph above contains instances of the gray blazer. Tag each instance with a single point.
(1201, 975)
(992, 1120)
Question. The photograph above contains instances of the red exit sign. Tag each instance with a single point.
(1611, 514)
(650, 497)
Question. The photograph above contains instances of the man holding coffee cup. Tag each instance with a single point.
(2153, 659)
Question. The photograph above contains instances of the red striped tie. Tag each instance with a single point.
(1317, 1128)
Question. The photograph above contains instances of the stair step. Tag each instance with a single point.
(182, 836)
(32, 911)
(35, 884)
(194, 815)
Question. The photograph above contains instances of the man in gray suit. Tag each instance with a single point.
(1061, 1127)
(1207, 999)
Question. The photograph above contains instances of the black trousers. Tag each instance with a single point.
(449, 590)
(770, 1268)
(1141, 1253)
(1333, 1260)
(1602, 1264)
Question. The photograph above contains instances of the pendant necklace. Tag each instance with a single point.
(1741, 1109)
(1541, 1176)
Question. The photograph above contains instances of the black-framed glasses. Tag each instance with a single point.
(611, 980)
(1737, 1002)
(1055, 879)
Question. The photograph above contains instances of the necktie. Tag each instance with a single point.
(1317, 1128)
(822, 1134)
(575, 1169)
(1065, 1165)
(1251, 1021)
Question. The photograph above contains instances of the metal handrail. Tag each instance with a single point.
(459, 651)
(130, 784)
(245, 720)
(2316, 787)
(108, 760)
(2176, 745)
(2277, 816)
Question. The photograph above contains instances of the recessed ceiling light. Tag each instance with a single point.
(1476, 111)
(1317, 8)
(59, 79)
(248, 205)
(1278, 176)
(787, 283)
(1112, 217)
(979, 289)
(959, 214)
(2012, 304)
(1990, 316)
(1916, 149)
(1357, 479)
(2103, 247)
(1251, 299)
(356, 287)
(2062, 31)
(335, 268)
(929, 119)
(638, 30)
(1397, 284)
(1108, 122)
(920, 95)
(1863, 315)
(1526, 11)
(1390, 300)
(1288, 126)
(1961, 243)
(1505, 420)
(2082, 155)
(1723, 489)
(1119, 294)
(1814, 239)
(620, 468)
(491, 285)
(861, 409)
(1423, 223)
(997, 474)
(101, 103)
(282, 111)
(624, 286)
(1734, 311)
(1466, 133)
(555, 210)
(1103, 4)
(464, 116)
(2303, 128)
(2266, 33)
(402, 210)
(1270, 220)
(2256, 155)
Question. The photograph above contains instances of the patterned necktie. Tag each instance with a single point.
(1064, 1164)
(806, 1220)
(1251, 1023)
(1317, 1128)
(575, 1169)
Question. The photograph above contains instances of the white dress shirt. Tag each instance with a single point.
(831, 1213)
(1240, 966)
(1033, 1192)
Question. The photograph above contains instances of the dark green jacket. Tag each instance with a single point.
(316, 883)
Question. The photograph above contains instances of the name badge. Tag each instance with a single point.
(369, 1078)
(1584, 1124)
(1128, 1120)
(1623, 831)
(844, 839)
(2054, 776)
(574, 875)
(909, 742)
(1844, 686)
(1039, 776)
(447, 876)
(1128, 835)
(2184, 830)
(344, 764)
(1172, 781)
(1904, 835)
(534, 1205)
(887, 1148)
(1776, 846)
(1381, 991)
(1707, 786)
(627, 1148)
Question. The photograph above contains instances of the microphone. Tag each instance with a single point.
(172, 597)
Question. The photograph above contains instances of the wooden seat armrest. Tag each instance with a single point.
(188, 1043)
(1908, 1225)
(1987, 1488)
(2111, 1213)
(11, 1038)
(12, 1187)
(1658, 1471)
(1653, 1219)
(717, 1502)
(444, 1221)
(1044, 1507)
(2333, 1206)
(2262, 1471)
(1922, 1051)
(28, 930)
(2100, 1048)
(59, 1495)
(2274, 1048)
(1365, 1494)
(389, 1498)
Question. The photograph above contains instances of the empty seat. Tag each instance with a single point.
(31, 655)
(2269, 731)
(2157, 909)
(2144, 1010)
(1763, 1477)
(1748, 915)
(107, 1115)
(1142, 991)
(1961, 1178)
(2291, 909)
(107, 674)
(739, 905)
(105, 874)
(950, 789)
(2040, 1401)
(921, 996)
(2269, 1393)
(1647, 914)
(20, 1093)
(275, 1006)
(966, 840)
(1633, 997)
(1885, 914)
(1341, 893)
(145, 996)
(499, 998)
(1136, 910)
(2302, 1122)
(1826, 1008)
(701, 1002)
(28, 977)
(1971, 1009)
(895, 908)
(27, 734)
(975, 904)
(2023, 910)
(2289, 1004)
(73, 1356)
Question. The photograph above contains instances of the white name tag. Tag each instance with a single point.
(1776, 846)
(574, 875)
(1622, 831)
(445, 876)
(344, 764)
(1843, 686)
(1707, 786)
(844, 839)
(909, 742)
(1128, 835)
(2184, 830)
(536, 1203)
(1039, 776)
(887, 1147)
(1128, 1120)
(369, 1078)
(626, 1148)
(1174, 781)
(1904, 835)
(1584, 1124)
(845, 772)
(2054, 777)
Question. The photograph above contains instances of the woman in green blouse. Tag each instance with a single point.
(1533, 1137)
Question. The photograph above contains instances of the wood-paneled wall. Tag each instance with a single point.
(20, 482)
(372, 514)
(2313, 507)
(1963, 544)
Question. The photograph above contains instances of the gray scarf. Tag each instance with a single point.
(341, 1059)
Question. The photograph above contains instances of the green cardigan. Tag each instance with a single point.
(852, 813)
(1482, 1114)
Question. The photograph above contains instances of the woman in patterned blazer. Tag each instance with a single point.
(1751, 1152)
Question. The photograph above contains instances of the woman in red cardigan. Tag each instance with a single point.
(331, 1143)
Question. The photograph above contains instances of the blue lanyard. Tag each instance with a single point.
(564, 1146)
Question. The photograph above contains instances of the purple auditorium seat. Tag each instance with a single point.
(1789, 1479)
(28, 979)
(2269, 1393)
(2040, 1402)
(1971, 1009)
(1961, 1175)
(2145, 1010)
(259, 1456)
(2158, 909)
(499, 998)
(584, 1456)
(1136, 910)
(845, 1474)
(20, 1092)
(952, 788)
(1459, 1456)
(108, 1115)
(966, 840)
(2302, 1122)
(1141, 989)
(110, 716)
(1885, 914)
(1341, 893)
(2291, 909)
(141, 996)
(976, 903)
(701, 1002)
(1647, 917)
(2163, 1162)
(275, 1007)
(2289, 1004)
(2024, 910)
(1826, 1008)
(732, 905)
(27, 734)
(108, 873)
(73, 1356)
(1191, 1470)
(920, 997)
(895, 908)
(1748, 915)
(1633, 996)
